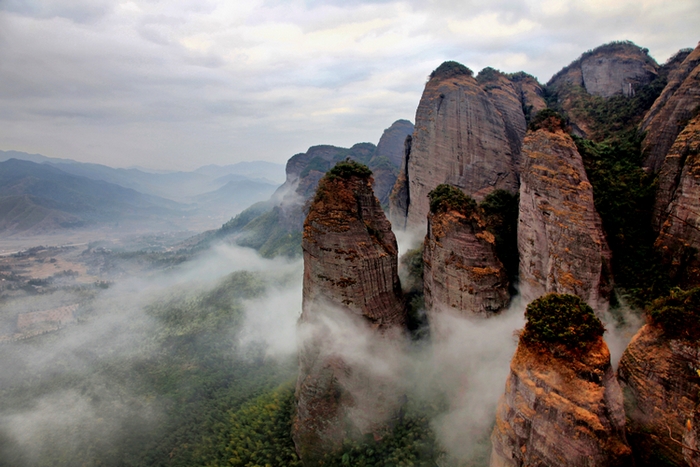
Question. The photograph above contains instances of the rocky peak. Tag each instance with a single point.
(677, 104)
(677, 208)
(388, 158)
(560, 237)
(614, 69)
(350, 266)
(617, 68)
(562, 404)
(460, 139)
(659, 376)
(462, 274)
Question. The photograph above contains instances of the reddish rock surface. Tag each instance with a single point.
(560, 411)
(560, 237)
(350, 265)
(677, 209)
(460, 139)
(462, 274)
(677, 103)
(660, 382)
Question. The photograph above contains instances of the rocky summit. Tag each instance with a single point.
(462, 274)
(562, 405)
(460, 139)
(350, 268)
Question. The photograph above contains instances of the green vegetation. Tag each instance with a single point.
(412, 282)
(158, 395)
(269, 237)
(347, 169)
(447, 197)
(548, 119)
(449, 69)
(624, 196)
(561, 319)
(500, 210)
(678, 314)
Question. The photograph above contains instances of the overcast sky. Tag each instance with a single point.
(182, 83)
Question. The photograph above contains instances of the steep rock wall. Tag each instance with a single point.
(677, 209)
(388, 158)
(461, 272)
(660, 382)
(560, 237)
(677, 103)
(350, 266)
(560, 412)
(460, 139)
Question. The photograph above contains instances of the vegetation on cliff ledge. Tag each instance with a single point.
(550, 120)
(448, 198)
(347, 169)
(678, 314)
(450, 69)
(561, 319)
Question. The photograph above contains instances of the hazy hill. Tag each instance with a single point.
(42, 197)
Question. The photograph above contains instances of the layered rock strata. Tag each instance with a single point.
(460, 139)
(677, 209)
(350, 268)
(560, 412)
(560, 237)
(678, 102)
(660, 381)
(461, 272)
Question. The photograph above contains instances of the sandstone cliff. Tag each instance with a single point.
(618, 68)
(350, 265)
(460, 139)
(562, 405)
(677, 209)
(660, 381)
(461, 272)
(560, 238)
(677, 103)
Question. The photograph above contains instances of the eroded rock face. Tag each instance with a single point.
(609, 70)
(660, 383)
(462, 274)
(350, 268)
(677, 209)
(560, 237)
(677, 103)
(560, 412)
(460, 139)
(388, 158)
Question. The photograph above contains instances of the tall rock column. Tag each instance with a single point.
(459, 139)
(660, 376)
(562, 404)
(462, 274)
(350, 272)
(560, 237)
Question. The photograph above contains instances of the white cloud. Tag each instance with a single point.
(183, 83)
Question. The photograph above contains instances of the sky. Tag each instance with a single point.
(177, 84)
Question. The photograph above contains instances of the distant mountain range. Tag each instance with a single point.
(40, 194)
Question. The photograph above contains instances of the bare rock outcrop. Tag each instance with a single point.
(659, 375)
(677, 208)
(350, 266)
(460, 139)
(618, 68)
(560, 237)
(387, 159)
(562, 404)
(461, 272)
(677, 103)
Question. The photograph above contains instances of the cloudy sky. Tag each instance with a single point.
(181, 83)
